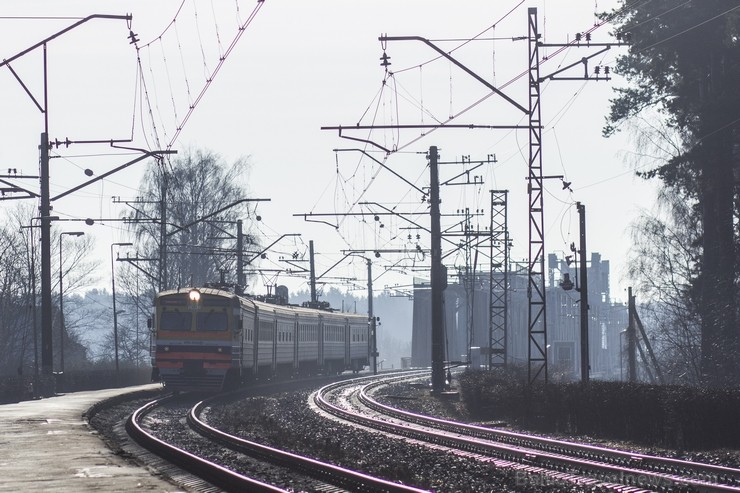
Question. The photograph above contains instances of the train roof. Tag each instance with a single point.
(209, 291)
(261, 305)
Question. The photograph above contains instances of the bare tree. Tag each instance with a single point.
(20, 283)
(664, 261)
(200, 241)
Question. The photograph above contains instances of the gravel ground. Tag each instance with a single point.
(272, 420)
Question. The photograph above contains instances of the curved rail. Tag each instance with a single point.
(727, 475)
(210, 471)
(554, 461)
(339, 476)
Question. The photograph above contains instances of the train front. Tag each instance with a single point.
(196, 338)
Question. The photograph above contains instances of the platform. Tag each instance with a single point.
(47, 445)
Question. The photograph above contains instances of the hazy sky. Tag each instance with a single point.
(303, 65)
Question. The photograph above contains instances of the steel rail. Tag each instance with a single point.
(549, 461)
(729, 475)
(339, 476)
(210, 471)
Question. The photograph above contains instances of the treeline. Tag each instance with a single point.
(682, 103)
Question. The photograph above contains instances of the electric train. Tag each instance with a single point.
(211, 339)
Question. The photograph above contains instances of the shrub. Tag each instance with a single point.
(669, 416)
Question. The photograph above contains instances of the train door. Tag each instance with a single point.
(320, 329)
(347, 339)
(255, 342)
(237, 338)
(296, 335)
(274, 341)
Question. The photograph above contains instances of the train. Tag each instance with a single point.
(212, 339)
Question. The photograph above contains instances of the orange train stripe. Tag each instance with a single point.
(193, 336)
(171, 355)
(168, 364)
(216, 365)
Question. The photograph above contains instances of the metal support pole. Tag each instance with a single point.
(240, 281)
(36, 389)
(163, 281)
(498, 281)
(47, 354)
(439, 277)
(585, 366)
(115, 312)
(61, 310)
(537, 316)
(371, 316)
(312, 279)
(631, 339)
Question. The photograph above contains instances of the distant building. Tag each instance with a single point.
(467, 315)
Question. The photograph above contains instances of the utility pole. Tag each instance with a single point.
(371, 317)
(631, 339)
(163, 281)
(240, 281)
(439, 278)
(585, 366)
(312, 278)
(47, 354)
(537, 320)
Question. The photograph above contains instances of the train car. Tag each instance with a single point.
(208, 339)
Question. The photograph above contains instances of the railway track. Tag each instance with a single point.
(320, 476)
(546, 460)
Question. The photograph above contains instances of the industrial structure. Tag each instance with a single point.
(466, 338)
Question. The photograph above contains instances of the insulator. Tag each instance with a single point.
(385, 60)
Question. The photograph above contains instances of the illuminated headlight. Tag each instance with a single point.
(194, 295)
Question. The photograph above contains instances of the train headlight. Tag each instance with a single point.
(194, 295)
(166, 349)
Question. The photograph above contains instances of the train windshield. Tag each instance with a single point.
(175, 320)
(211, 321)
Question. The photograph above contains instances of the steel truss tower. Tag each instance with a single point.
(537, 324)
(499, 280)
